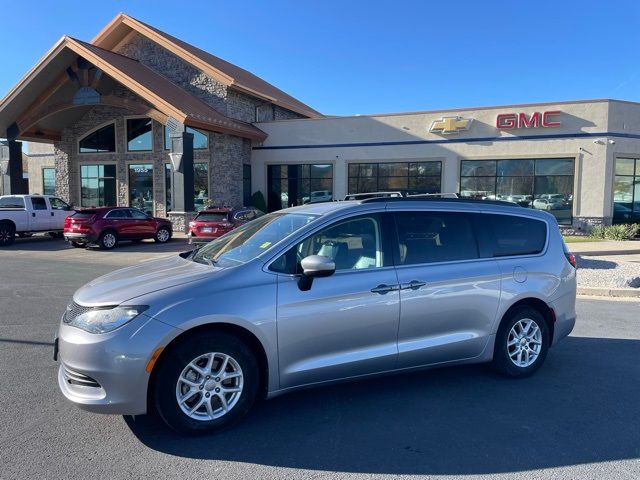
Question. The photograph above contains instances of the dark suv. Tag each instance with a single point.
(106, 226)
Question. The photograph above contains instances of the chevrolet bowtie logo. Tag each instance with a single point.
(448, 125)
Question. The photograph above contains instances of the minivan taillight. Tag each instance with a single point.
(572, 259)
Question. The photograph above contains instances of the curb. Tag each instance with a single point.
(609, 292)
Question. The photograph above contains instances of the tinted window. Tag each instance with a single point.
(38, 203)
(503, 235)
(139, 136)
(12, 202)
(84, 214)
(245, 215)
(120, 213)
(211, 217)
(137, 214)
(102, 140)
(427, 237)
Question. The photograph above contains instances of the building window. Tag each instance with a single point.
(48, 181)
(101, 140)
(167, 187)
(139, 135)
(97, 185)
(200, 139)
(291, 185)
(200, 184)
(404, 177)
(545, 184)
(141, 187)
(246, 185)
(626, 191)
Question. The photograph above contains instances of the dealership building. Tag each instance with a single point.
(138, 117)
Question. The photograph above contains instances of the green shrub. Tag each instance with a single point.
(257, 200)
(623, 231)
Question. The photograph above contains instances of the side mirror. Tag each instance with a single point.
(315, 266)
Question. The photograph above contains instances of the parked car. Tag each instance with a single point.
(24, 215)
(106, 226)
(317, 294)
(548, 204)
(318, 196)
(364, 196)
(215, 222)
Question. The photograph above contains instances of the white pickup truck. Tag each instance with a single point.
(24, 215)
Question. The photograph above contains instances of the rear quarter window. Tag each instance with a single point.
(12, 202)
(84, 214)
(507, 235)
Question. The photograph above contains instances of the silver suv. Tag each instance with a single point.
(316, 294)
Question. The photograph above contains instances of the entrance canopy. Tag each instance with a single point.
(74, 76)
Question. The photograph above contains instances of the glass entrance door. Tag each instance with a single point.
(141, 187)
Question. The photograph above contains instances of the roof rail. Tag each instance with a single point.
(435, 199)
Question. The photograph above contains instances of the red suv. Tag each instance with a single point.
(106, 226)
(215, 222)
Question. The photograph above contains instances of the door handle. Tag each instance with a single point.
(52, 214)
(413, 285)
(382, 289)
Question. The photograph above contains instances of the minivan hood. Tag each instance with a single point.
(147, 277)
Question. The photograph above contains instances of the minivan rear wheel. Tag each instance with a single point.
(522, 343)
(206, 383)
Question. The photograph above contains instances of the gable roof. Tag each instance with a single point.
(162, 94)
(223, 71)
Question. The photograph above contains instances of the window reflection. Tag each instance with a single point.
(292, 185)
(97, 185)
(139, 135)
(626, 191)
(404, 177)
(545, 184)
(100, 141)
(141, 187)
(200, 139)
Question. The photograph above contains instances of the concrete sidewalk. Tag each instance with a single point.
(607, 247)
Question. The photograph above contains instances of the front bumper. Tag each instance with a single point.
(106, 373)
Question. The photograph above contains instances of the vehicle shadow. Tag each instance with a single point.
(595, 264)
(581, 407)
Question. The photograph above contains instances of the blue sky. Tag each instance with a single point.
(350, 57)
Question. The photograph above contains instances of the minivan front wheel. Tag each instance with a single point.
(206, 383)
(522, 343)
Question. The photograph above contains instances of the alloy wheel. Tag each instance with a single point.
(524, 343)
(109, 240)
(163, 235)
(209, 386)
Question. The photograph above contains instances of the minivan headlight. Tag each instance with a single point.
(103, 320)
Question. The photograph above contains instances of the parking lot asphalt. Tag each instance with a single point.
(577, 418)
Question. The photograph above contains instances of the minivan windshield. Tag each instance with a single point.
(251, 239)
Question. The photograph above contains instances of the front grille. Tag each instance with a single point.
(75, 378)
(74, 310)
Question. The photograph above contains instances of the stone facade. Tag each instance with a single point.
(225, 156)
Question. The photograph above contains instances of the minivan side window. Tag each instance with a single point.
(506, 235)
(38, 203)
(352, 244)
(429, 237)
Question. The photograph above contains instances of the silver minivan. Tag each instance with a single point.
(317, 294)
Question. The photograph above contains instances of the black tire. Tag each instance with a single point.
(163, 235)
(77, 245)
(7, 234)
(171, 367)
(108, 240)
(502, 361)
(56, 234)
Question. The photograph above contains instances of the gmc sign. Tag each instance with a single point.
(509, 121)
